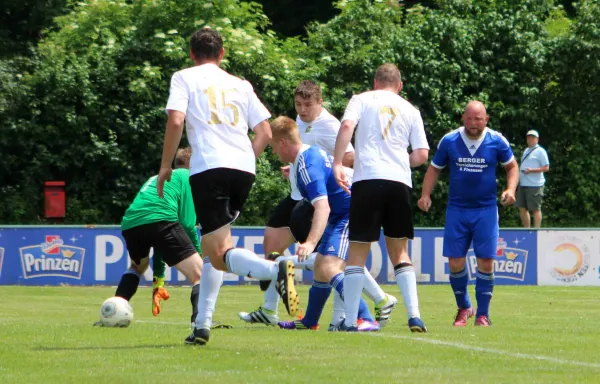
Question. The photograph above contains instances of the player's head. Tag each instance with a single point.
(285, 139)
(475, 119)
(182, 157)
(206, 46)
(388, 77)
(533, 137)
(308, 100)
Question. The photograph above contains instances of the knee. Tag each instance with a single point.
(142, 266)
(485, 265)
(456, 264)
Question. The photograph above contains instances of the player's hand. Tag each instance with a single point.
(163, 175)
(527, 170)
(285, 171)
(158, 294)
(304, 250)
(340, 177)
(507, 198)
(424, 203)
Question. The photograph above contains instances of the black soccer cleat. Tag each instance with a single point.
(264, 284)
(198, 337)
(285, 286)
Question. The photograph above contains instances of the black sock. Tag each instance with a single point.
(402, 265)
(194, 300)
(128, 285)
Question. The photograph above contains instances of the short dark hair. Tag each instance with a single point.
(206, 43)
(182, 158)
(307, 89)
(388, 74)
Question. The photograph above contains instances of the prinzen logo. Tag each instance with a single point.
(510, 263)
(52, 258)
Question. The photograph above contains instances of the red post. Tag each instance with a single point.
(54, 199)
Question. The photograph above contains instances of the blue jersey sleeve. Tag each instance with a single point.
(311, 175)
(440, 159)
(505, 154)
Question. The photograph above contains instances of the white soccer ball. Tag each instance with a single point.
(116, 312)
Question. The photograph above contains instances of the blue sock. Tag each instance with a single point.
(317, 297)
(363, 309)
(459, 282)
(484, 287)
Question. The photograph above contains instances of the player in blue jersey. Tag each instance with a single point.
(472, 153)
(316, 183)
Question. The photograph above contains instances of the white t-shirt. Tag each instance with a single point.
(219, 108)
(388, 125)
(321, 132)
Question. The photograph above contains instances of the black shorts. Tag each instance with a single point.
(293, 214)
(168, 238)
(380, 203)
(219, 195)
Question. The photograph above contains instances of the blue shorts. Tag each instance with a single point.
(334, 241)
(464, 226)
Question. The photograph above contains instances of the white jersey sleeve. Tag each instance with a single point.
(257, 112)
(178, 94)
(353, 110)
(418, 138)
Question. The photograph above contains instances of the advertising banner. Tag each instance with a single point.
(569, 258)
(57, 255)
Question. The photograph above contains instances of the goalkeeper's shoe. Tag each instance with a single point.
(158, 294)
(264, 284)
(384, 309)
(261, 315)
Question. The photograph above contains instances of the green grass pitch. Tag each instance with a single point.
(539, 335)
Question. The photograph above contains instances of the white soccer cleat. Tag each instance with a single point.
(261, 316)
(384, 309)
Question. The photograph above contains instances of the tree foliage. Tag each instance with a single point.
(87, 106)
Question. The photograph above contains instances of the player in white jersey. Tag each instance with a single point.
(218, 110)
(381, 191)
(292, 218)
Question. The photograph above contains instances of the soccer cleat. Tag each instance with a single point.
(462, 315)
(483, 321)
(341, 327)
(384, 309)
(261, 315)
(296, 324)
(264, 284)
(416, 325)
(217, 325)
(158, 294)
(285, 286)
(367, 326)
(199, 336)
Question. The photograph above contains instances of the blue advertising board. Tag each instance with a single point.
(97, 256)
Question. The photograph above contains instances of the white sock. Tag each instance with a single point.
(210, 284)
(407, 282)
(338, 309)
(271, 298)
(307, 265)
(372, 289)
(243, 262)
(354, 279)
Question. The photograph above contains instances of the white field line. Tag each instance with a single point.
(501, 352)
(465, 347)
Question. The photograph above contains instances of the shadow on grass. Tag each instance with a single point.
(115, 347)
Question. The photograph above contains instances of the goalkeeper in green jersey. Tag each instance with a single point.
(169, 226)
